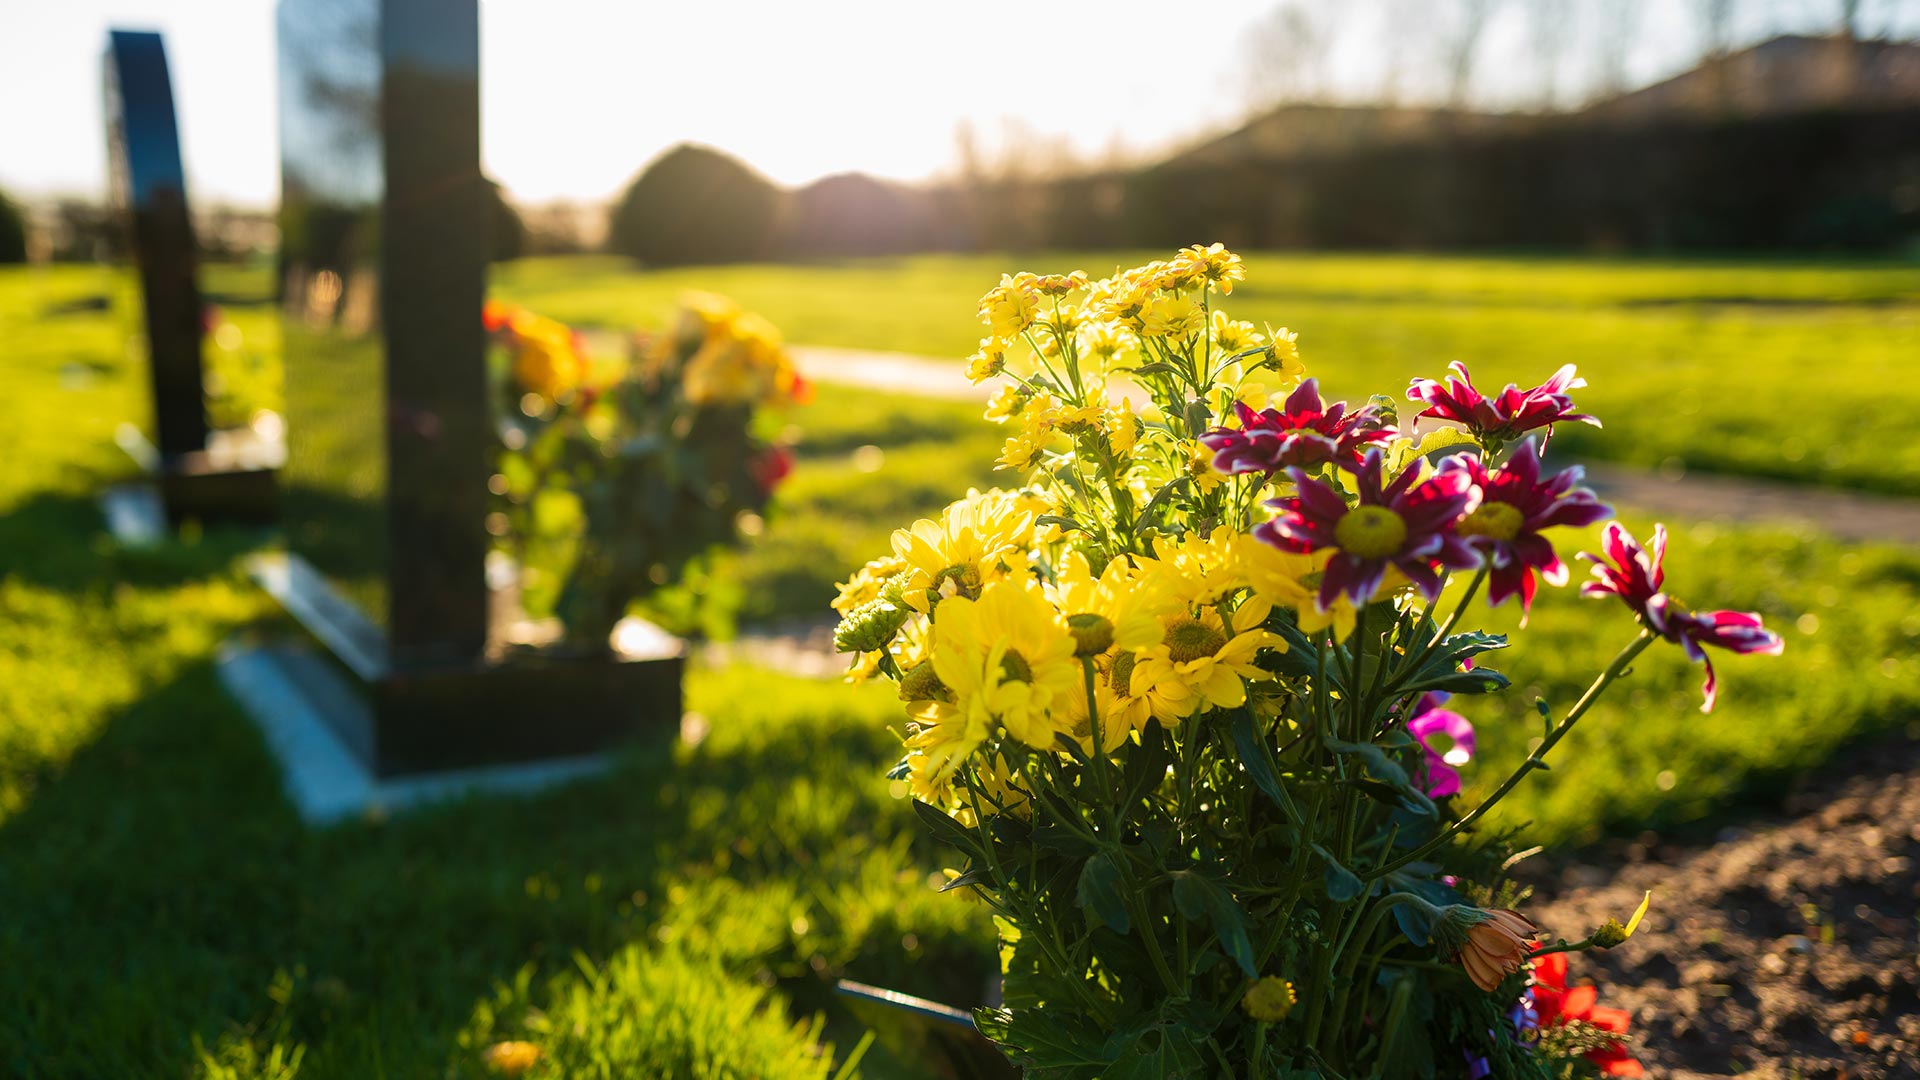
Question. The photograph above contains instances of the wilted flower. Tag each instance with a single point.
(1506, 415)
(1635, 575)
(1406, 524)
(1490, 944)
(1515, 505)
(1302, 432)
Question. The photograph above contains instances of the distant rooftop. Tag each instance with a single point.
(1784, 75)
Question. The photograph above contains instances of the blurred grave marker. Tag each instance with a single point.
(384, 221)
(196, 472)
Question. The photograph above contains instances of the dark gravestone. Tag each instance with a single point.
(200, 474)
(384, 221)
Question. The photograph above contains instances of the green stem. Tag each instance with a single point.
(1614, 670)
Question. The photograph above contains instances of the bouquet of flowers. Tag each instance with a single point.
(608, 491)
(1179, 699)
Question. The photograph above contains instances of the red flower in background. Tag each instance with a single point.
(771, 467)
(1556, 1005)
(495, 316)
(1505, 415)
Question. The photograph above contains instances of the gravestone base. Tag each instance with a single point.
(234, 481)
(296, 697)
(512, 709)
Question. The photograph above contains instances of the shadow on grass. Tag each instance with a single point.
(60, 542)
(159, 889)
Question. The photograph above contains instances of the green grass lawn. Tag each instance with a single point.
(162, 913)
(1793, 370)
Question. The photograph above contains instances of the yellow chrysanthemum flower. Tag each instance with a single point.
(1006, 402)
(1131, 602)
(1231, 336)
(1215, 264)
(865, 583)
(1200, 468)
(1197, 570)
(1010, 307)
(1291, 580)
(977, 540)
(1007, 659)
(940, 739)
(1123, 428)
(1107, 341)
(1116, 718)
(1024, 447)
(1203, 663)
(1171, 316)
(545, 362)
(990, 360)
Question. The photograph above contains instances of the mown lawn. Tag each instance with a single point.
(162, 913)
(1795, 370)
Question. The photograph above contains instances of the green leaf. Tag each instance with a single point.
(1159, 498)
(1254, 756)
(945, 829)
(1387, 771)
(1197, 896)
(1477, 681)
(1146, 764)
(1057, 519)
(974, 875)
(1099, 893)
(1342, 884)
(1156, 368)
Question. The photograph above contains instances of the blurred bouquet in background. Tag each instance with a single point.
(614, 479)
(1185, 700)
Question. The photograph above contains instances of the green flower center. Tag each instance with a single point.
(1120, 675)
(965, 578)
(1493, 520)
(1015, 667)
(1092, 634)
(1190, 639)
(1370, 532)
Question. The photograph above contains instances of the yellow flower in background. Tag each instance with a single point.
(1200, 467)
(1171, 316)
(1107, 341)
(1025, 446)
(510, 1058)
(1123, 428)
(1197, 570)
(978, 539)
(990, 360)
(1007, 402)
(546, 360)
(1010, 307)
(1283, 352)
(1008, 660)
(1204, 663)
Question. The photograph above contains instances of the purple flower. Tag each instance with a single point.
(1515, 504)
(1302, 432)
(1403, 525)
(1635, 575)
(1507, 414)
(1429, 722)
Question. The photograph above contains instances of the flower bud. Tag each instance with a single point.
(1269, 1000)
(1092, 634)
(869, 627)
(921, 684)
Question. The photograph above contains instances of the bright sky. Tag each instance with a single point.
(578, 94)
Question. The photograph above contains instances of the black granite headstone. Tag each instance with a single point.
(220, 478)
(384, 217)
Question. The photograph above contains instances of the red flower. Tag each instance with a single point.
(1515, 505)
(494, 316)
(1635, 575)
(1403, 524)
(771, 467)
(1302, 432)
(1506, 415)
(1556, 1005)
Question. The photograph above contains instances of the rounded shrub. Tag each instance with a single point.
(695, 205)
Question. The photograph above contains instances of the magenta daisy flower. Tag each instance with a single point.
(1515, 505)
(1635, 575)
(1406, 524)
(1303, 431)
(1498, 419)
(1447, 738)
